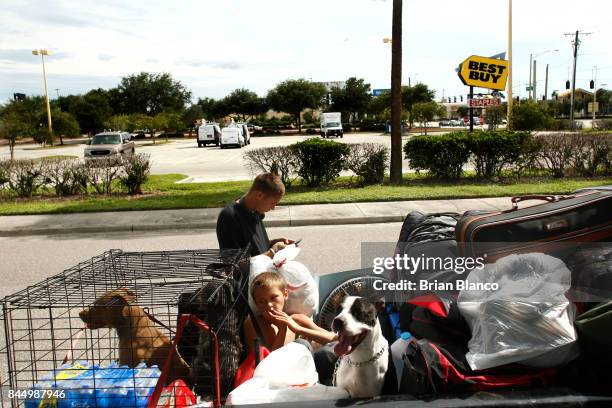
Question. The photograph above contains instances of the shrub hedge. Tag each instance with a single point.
(69, 176)
(442, 156)
(320, 161)
(492, 152)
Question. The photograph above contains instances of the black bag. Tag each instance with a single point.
(430, 369)
(425, 235)
(221, 303)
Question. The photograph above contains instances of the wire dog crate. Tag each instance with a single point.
(80, 334)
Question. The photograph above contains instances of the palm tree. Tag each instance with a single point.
(396, 94)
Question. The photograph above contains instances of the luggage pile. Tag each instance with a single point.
(546, 324)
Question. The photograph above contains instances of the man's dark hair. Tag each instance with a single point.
(269, 184)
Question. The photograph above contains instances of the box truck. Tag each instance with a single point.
(331, 125)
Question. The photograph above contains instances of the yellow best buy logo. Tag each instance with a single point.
(483, 72)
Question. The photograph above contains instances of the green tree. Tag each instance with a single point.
(119, 122)
(463, 111)
(530, 115)
(192, 114)
(353, 98)
(208, 107)
(379, 106)
(12, 128)
(426, 111)
(138, 121)
(169, 122)
(604, 97)
(29, 118)
(151, 93)
(310, 118)
(245, 103)
(64, 124)
(91, 110)
(495, 114)
(295, 95)
(415, 94)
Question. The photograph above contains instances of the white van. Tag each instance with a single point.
(245, 132)
(232, 136)
(209, 133)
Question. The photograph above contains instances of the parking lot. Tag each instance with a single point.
(200, 164)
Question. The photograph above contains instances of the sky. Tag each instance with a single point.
(214, 47)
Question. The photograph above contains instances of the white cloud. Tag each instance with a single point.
(214, 47)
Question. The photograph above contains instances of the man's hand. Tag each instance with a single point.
(278, 246)
(284, 240)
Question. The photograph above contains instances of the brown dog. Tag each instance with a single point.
(139, 339)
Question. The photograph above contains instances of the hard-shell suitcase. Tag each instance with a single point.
(561, 222)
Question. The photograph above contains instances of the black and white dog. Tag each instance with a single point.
(362, 350)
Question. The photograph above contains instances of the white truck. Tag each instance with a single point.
(331, 125)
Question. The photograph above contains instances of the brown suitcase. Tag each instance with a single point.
(559, 223)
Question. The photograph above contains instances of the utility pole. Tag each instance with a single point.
(546, 85)
(576, 44)
(594, 96)
(535, 82)
(396, 94)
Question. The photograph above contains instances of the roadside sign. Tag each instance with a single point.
(483, 72)
(378, 92)
(596, 107)
(484, 102)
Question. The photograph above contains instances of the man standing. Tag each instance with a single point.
(241, 222)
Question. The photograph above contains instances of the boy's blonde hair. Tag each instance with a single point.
(268, 280)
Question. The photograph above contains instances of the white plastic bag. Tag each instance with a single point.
(287, 374)
(289, 366)
(301, 285)
(258, 391)
(527, 320)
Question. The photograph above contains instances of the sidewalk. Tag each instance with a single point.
(206, 218)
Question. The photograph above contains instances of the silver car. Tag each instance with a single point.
(109, 145)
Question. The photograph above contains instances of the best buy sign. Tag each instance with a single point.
(483, 72)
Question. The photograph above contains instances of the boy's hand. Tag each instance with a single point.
(285, 319)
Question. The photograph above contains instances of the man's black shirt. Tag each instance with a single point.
(237, 227)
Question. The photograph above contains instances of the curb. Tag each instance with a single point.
(205, 225)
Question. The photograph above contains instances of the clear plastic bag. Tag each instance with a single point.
(301, 285)
(527, 320)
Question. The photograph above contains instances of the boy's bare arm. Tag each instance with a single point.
(313, 332)
(305, 327)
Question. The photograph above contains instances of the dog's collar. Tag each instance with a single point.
(356, 364)
(360, 363)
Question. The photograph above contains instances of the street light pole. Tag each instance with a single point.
(530, 82)
(42, 54)
(534, 84)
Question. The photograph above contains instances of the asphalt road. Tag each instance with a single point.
(325, 249)
(202, 164)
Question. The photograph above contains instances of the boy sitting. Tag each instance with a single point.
(269, 292)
